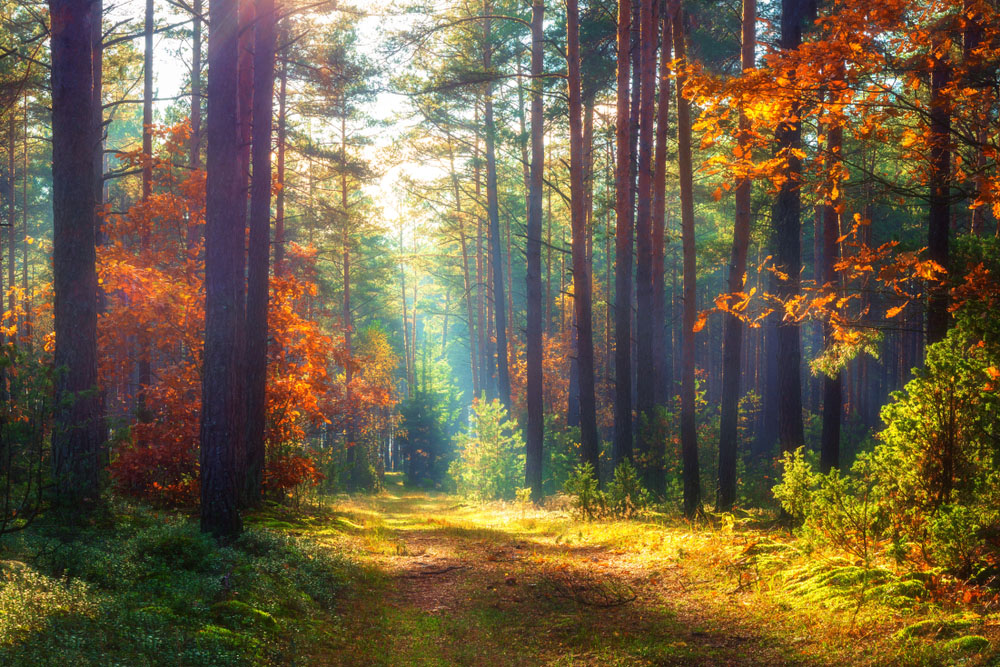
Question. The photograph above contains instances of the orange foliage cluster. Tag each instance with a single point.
(151, 269)
(865, 68)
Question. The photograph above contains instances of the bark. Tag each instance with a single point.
(623, 245)
(346, 265)
(493, 206)
(467, 280)
(659, 332)
(244, 100)
(589, 439)
(279, 204)
(195, 157)
(689, 434)
(224, 238)
(534, 435)
(732, 326)
(787, 224)
(11, 216)
(259, 250)
(76, 434)
(651, 463)
(940, 187)
(832, 391)
(145, 352)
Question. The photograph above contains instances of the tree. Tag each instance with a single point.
(589, 437)
(221, 426)
(787, 223)
(832, 391)
(535, 382)
(260, 239)
(77, 433)
(493, 211)
(651, 464)
(623, 244)
(689, 433)
(733, 327)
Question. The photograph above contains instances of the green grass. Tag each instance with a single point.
(147, 588)
(410, 578)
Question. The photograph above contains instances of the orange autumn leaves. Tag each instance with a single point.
(151, 270)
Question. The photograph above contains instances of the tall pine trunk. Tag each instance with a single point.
(832, 391)
(535, 432)
(689, 433)
(76, 434)
(224, 237)
(659, 328)
(732, 335)
(258, 258)
(589, 439)
(787, 225)
(939, 222)
(623, 244)
(493, 206)
(651, 461)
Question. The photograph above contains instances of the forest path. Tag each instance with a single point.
(460, 584)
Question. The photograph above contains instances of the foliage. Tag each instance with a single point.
(928, 491)
(582, 487)
(25, 424)
(625, 495)
(490, 463)
(151, 268)
(142, 587)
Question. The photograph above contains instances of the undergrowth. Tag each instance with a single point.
(139, 587)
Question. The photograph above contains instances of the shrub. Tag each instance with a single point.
(582, 487)
(491, 456)
(626, 496)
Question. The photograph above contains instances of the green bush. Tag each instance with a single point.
(490, 465)
(931, 486)
(626, 496)
(584, 490)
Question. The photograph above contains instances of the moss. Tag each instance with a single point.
(939, 628)
(234, 611)
(968, 644)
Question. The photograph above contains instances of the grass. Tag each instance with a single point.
(410, 578)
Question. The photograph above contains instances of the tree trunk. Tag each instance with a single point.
(493, 205)
(788, 252)
(651, 463)
(195, 157)
(258, 257)
(76, 434)
(732, 335)
(623, 245)
(279, 204)
(535, 433)
(145, 349)
(940, 186)
(224, 238)
(589, 440)
(689, 433)
(659, 316)
(832, 398)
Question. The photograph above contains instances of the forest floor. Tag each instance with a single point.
(408, 577)
(466, 584)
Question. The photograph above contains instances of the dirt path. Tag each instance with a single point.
(454, 584)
